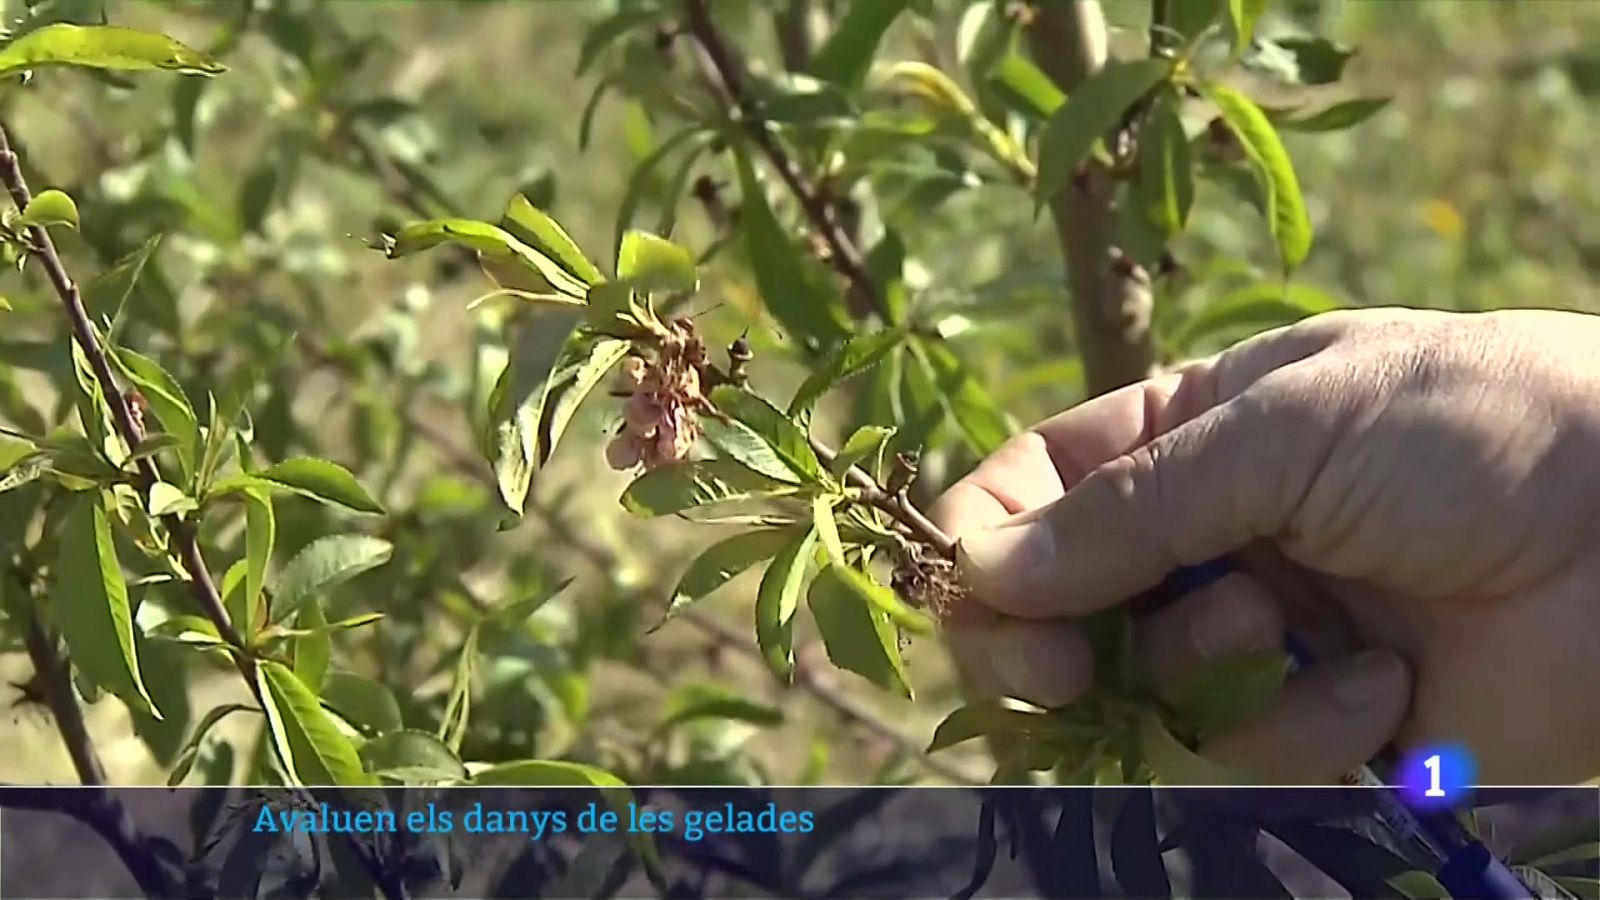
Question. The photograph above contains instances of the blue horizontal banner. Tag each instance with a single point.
(763, 842)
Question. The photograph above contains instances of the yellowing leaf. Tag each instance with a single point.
(50, 207)
(104, 47)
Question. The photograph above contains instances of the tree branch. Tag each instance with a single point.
(183, 533)
(843, 255)
(1111, 303)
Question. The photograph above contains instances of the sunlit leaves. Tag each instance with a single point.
(103, 47)
(90, 606)
(535, 228)
(1092, 111)
(776, 601)
(777, 430)
(979, 420)
(1242, 16)
(697, 702)
(649, 263)
(490, 240)
(862, 443)
(317, 752)
(850, 359)
(260, 532)
(856, 632)
(1026, 88)
(319, 480)
(529, 414)
(322, 565)
(166, 399)
(722, 562)
(692, 484)
(989, 717)
(48, 208)
(1286, 208)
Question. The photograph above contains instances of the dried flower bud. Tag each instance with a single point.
(634, 369)
(137, 407)
(903, 473)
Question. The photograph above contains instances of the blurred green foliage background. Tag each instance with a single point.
(1474, 189)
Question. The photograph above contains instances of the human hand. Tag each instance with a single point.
(1431, 475)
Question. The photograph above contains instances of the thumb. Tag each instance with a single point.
(1210, 486)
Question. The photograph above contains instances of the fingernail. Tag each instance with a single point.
(1004, 557)
(1225, 629)
(1366, 677)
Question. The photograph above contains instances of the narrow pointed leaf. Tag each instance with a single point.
(776, 602)
(858, 636)
(320, 480)
(864, 442)
(650, 263)
(724, 561)
(321, 755)
(846, 56)
(490, 240)
(807, 307)
(324, 564)
(103, 47)
(852, 358)
(1093, 110)
(785, 438)
(90, 607)
(535, 228)
(1286, 208)
(1166, 175)
(687, 485)
(827, 527)
(260, 533)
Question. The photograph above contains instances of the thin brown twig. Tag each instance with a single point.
(842, 252)
(183, 533)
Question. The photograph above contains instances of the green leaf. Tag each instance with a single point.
(1286, 208)
(703, 702)
(458, 708)
(559, 773)
(412, 757)
(864, 442)
(103, 47)
(318, 754)
(980, 420)
(650, 263)
(320, 480)
(855, 356)
(89, 604)
(260, 532)
(51, 207)
(191, 748)
(313, 645)
(107, 294)
(1230, 691)
(1166, 174)
(1093, 110)
(535, 228)
(1026, 88)
(987, 717)
(1176, 765)
(858, 636)
(322, 565)
(515, 614)
(1251, 309)
(785, 438)
(529, 416)
(776, 601)
(808, 307)
(166, 399)
(739, 442)
(827, 527)
(365, 704)
(1337, 117)
(1242, 16)
(167, 499)
(688, 485)
(722, 562)
(846, 56)
(492, 241)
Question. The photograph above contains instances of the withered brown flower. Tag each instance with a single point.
(660, 417)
